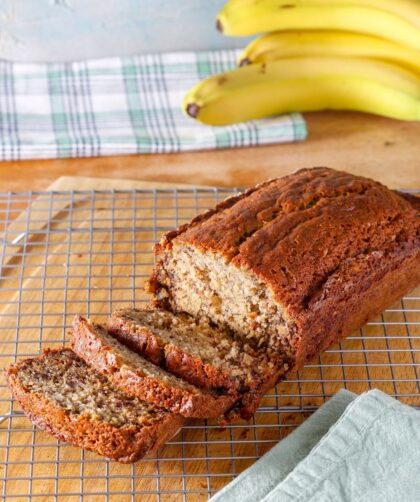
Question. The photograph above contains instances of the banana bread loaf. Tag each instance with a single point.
(138, 377)
(294, 263)
(210, 358)
(67, 398)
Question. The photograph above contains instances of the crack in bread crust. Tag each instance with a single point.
(270, 200)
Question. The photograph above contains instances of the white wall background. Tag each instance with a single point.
(65, 30)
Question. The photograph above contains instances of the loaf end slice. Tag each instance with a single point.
(139, 377)
(64, 396)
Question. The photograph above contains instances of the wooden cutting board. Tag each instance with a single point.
(90, 183)
(31, 298)
(380, 148)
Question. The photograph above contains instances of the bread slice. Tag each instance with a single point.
(294, 263)
(139, 377)
(67, 398)
(200, 354)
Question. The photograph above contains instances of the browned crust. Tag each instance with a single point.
(221, 228)
(124, 445)
(334, 249)
(175, 360)
(189, 402)
(328, 321)
(168, 237)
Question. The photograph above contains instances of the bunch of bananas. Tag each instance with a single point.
(361, 55)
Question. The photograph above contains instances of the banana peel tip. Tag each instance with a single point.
(192, 110)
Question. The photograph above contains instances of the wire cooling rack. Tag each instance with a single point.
(90, 252)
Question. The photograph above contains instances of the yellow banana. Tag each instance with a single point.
(285, 44)
(406, 9)
(305, 84)
(266, 16)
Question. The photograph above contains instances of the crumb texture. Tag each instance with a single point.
(66, 380)
(126, 357)
(216, 347)
(137, 376)
(64, 396)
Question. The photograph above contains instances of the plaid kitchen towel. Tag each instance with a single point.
(119, 106)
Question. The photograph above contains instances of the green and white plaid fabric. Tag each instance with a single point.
(119, 106)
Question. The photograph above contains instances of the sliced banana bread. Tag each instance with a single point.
(293, 263)
(204, 356)
(62, 395)
(139, 377)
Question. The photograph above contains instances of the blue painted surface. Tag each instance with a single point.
(63, 30)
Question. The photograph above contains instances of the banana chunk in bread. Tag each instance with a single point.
(139, 377)
(294, 263)
(64, 396)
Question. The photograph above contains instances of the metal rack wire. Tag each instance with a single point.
(89, 252)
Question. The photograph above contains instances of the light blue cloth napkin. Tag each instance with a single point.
(370, 453)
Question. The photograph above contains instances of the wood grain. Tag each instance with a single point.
(45, 282)
(384, 149)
